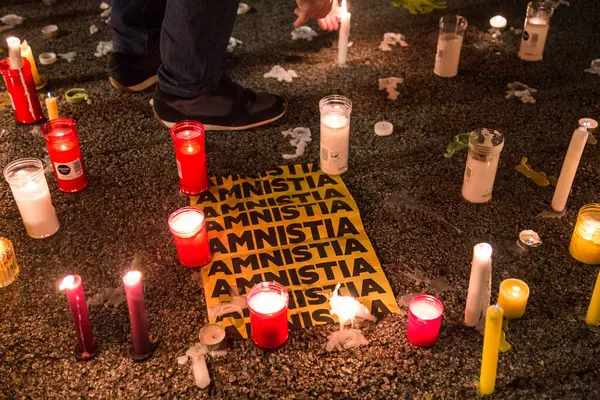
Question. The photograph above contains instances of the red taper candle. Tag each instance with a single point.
(86, 343)
(138, 317)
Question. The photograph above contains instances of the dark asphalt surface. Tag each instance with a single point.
(133, 188)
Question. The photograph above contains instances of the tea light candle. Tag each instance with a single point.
(9, 269)
(191, 239)
(138, 317)
(212, 336)
(190, 154)
(593, 314)
(86, 343)
(65, 154)
(424, 320)
(52, 107)
(335, 134)
(491, 347)
(478, 297)
(268, 305)
(30, 190)
(344, 34)
(14, 53)
(512, 297)
(28, 54)
(498, 22)
(585, 242)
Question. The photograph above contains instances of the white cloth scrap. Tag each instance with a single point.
(103, 49)
(93, 30)
(281, 74)
(346, 339)
(243, 8)
(104, 6)
(12, 19)
(299, 138)
(233, 43)
(521, 91)
(70, 56)
(390, 84)
(106, 13)
(594, 67)
(304, 32)
(392, 39)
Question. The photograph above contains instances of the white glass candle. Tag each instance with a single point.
(452, 30)
(478, 297)
(335, 134)
(569, 168)
(485, 146)
(344, 34)
(14, 53)
(30, 190)
(535, 30)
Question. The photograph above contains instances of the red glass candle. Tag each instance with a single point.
(189, 233)
(138, 317)
(188, 137)
(268, 305)
(424, 320)
(21, 87)
(86, 343)
(65, 154)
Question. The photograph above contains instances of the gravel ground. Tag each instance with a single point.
(129, 158)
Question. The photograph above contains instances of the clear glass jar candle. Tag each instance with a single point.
(535, 31)
(190, 155)
(335, 134)
(61, 139)
(450, 39)
(485, 146)
(424, 320)
(268, 305)
(188, 227)
(30, 190)
(585, 242)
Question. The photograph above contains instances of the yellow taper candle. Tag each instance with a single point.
(512, 297)
(52, 107)
(491, 346)
(585, 242)
(28, 54)
(593, 313)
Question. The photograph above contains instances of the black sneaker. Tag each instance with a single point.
(227, 107)
(131, 73)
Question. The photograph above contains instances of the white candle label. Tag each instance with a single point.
(179, 169)
(335, 158)
(69, 171)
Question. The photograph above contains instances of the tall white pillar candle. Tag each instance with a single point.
(335, 134)
(14, 53)
(30, 190)
(569, 168)
(478, 297)
(344, 34)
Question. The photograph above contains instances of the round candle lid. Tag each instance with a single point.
(486, 141)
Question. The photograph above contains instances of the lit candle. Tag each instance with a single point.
(478, 297)
(65, 154)
(52, 107)
(585, 242)
(212, 336)
(86, 343)
(28, 54)
(138, 317)
(268, 305)
(189, 233)
(344, 34)
(190, 154)
(335, 134)
(14, 53)
(535, 30)
(424, 320)
(498, 22)
(30, 190)
(491, 346)
(512, 297)
(569, 168)
(593, 314)
(450, 40)
(9, 269)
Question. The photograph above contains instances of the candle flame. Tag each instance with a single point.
(132, 277)
(516, 291)
(344, 7)
(67, 283)
(49, 95)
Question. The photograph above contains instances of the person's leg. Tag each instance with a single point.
(136, 26)
(191, 82)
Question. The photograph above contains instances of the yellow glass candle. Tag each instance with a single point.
(28, 54)
(585, 242)
(593, 313)
(491, 346)
(9, 270)
(52, 107)
(512, 297)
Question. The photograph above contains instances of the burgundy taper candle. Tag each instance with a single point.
(132, 281)
(86, 343)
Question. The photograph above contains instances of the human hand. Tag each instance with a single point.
(312, 9)
(332, 21)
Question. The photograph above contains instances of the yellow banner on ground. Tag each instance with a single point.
(294, 225)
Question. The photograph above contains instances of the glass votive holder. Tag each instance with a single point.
(449, 45)
(9, 269)
(535, 31)
(485, 146)
(268, 305)
(585, 242)
(61, 139)
(424, 320)
(188, 226)
(335, 134)
(190, 155)
(30, 190)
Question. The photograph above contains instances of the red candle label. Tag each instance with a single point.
(68, 171)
